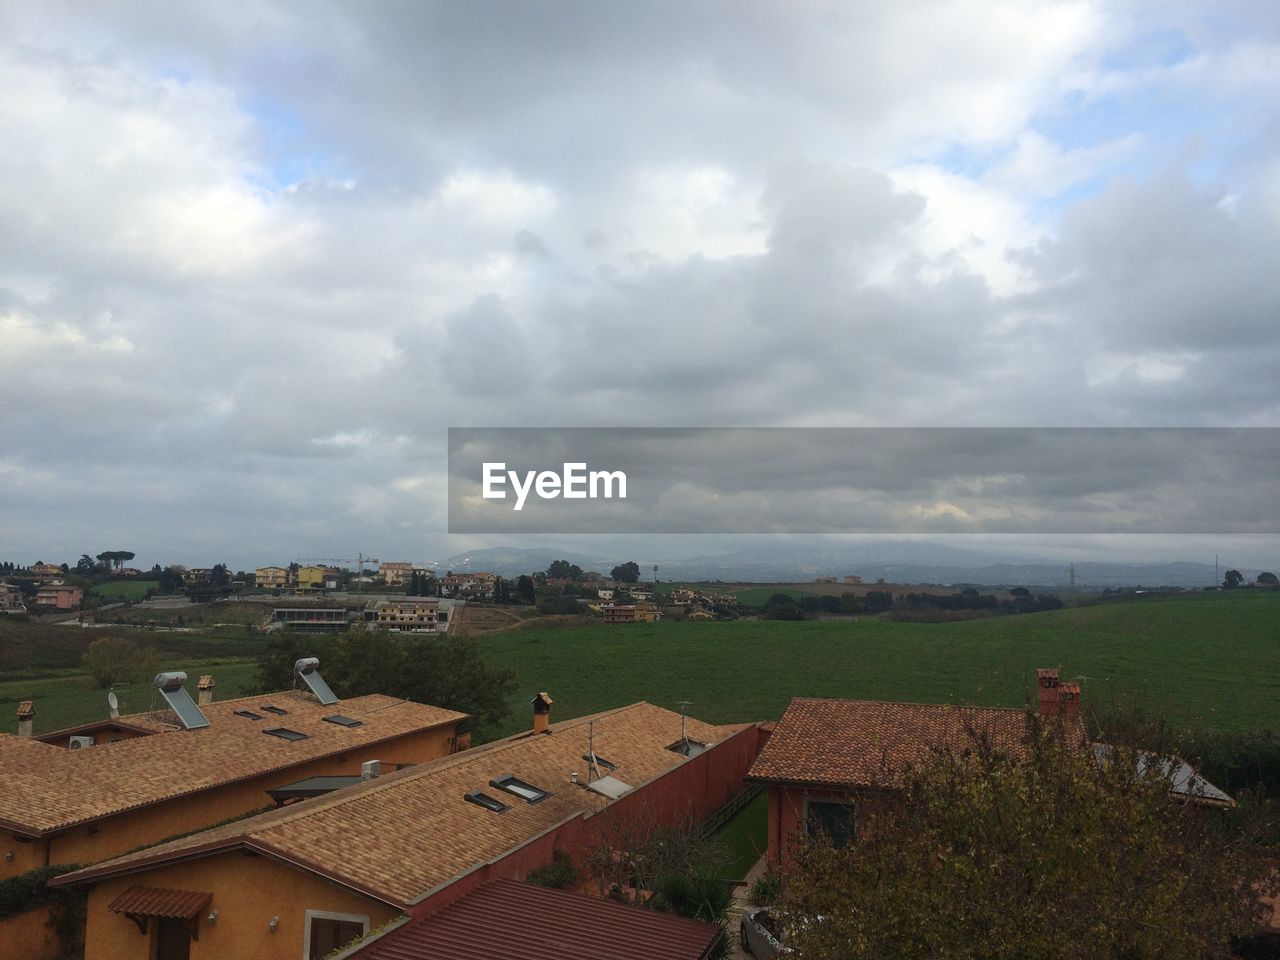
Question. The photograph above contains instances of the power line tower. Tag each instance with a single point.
(655, 573)
(1071, 584)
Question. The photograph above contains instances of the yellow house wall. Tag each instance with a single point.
(26, 855)
(247, 892)
(29, 936)
(120, 834)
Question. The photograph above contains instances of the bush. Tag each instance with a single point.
(119, 660)
(767, 888)
(31, 891)
(560, 873)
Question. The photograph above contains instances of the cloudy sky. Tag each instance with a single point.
(255, 261)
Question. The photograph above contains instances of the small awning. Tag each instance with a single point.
(141, 903)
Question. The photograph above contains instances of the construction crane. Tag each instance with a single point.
(359, 559)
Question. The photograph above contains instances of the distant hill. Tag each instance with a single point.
(905, 561)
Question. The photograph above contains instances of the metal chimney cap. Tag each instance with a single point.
(306, 665)
(170, 681)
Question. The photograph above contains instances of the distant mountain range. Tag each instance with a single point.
(894, 561)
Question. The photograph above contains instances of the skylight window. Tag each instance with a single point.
(600, 761)
(518, 788)
(687, 748)
(278, 711)
(486, 801)
(284, 733)
(342, 721)
(248, 715)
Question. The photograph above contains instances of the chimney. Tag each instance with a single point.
(1048, 692)
(1070, 699)
(205, 686)
(26, 718)
(541, 712)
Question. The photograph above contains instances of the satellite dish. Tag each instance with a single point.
(114, 703)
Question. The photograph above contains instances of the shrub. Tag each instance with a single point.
(559, 874)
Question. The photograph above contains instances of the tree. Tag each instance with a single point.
(628, 572)
(1233, 579)
(445, 671)
(1050, 855)
(1267, 578)
(564, 570)
(112, 660)
(525, 591)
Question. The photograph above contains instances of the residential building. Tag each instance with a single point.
(311, 577)
(852, 580)
(11, 599)
(627, 612)
(302, 879)
(45, 571)
(86, 793)
(825, 758)
(396, 573)
(313, 617)
(271, 578)
(479, 585)
(506, 918)
(59, 596)
(410, 615)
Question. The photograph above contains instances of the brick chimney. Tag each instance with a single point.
(541, 712)
(1070, 699)
(205, 687)
(1050, 704)
(26, 717)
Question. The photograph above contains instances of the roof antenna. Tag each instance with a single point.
(593, 767)
(684, 737)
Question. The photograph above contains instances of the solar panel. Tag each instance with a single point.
(175, 694)
(306, 668)
(610, 787)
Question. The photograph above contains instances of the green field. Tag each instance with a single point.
(122, 590)
(1211, 660)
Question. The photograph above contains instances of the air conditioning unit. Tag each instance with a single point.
(370, 769)
(79, 743)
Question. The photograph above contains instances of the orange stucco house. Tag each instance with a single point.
(828, 759)
(100, 790)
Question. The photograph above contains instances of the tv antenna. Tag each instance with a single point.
(684, 706)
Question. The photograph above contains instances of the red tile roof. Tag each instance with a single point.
(158, 902)
(868, 743)
(511, 919)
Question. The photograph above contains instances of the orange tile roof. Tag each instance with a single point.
(49, 788)
(401, 835)
(156, 902)
(868, 743)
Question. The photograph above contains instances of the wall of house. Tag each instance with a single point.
(28, 936)
(246, 896)
(787, 815)
(113, 836)
(27, 855)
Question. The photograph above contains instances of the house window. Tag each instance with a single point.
(831, 818)
(486, 801)
(278, 711)
(284, 733)
(325, 932)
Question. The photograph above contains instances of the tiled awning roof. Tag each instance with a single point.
(158, 902)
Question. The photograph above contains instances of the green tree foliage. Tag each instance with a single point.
(119, 660)
(564, 570)
(445, 671)
(525, 591)
(1267, 578)
(559, 874)
(628, 572)
(1233, 579)
(1051, 856)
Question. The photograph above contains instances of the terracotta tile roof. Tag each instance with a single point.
(48, 788)
(157, 902)
(399, 836)
(869, 743)
(506, 918)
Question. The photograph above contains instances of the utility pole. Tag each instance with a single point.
(1071, 580)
